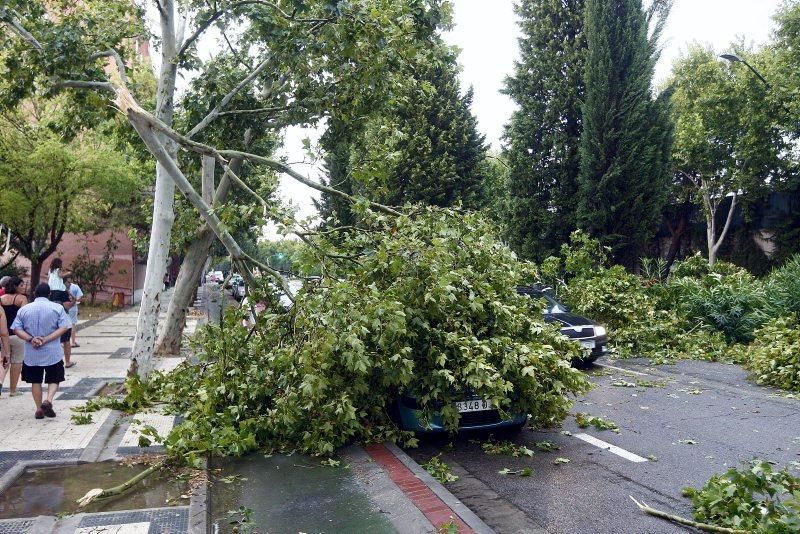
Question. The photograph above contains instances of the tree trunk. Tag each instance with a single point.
(163, 214)
(36, 275)
(676, 237)
(169, 341)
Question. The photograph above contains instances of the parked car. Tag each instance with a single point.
(476, 414)
(236, 285)
(479, 414)
(592, 336)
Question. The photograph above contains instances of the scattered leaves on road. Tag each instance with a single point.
(652, 457)
(546, 446)
(524, 472)
(584, 420)
(507, 448)
(561, 460)
(623, 384)
(439, 470)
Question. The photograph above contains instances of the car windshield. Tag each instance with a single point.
(552, 305)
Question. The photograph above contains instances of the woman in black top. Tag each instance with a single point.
(10, 303)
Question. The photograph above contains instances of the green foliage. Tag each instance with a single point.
(783, 289)
(773, 356)
(585, 420)
(524, 472)
(547, 446)
(754, 498)
(730, 304)
(439, 470)
(425, 146)
(506, 448)
(91, 274)
(626, 138)
(428, 306)
(543, 133)
(81, 418)
(52, 187)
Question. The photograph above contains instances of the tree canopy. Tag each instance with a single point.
(626, 134)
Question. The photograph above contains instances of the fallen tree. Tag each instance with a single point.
(423, 304)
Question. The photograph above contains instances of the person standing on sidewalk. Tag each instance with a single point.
(58, 293)
(75, 295)
(5, 346)
(10, 303)
(40, 325)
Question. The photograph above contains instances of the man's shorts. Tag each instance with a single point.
(51, 374)
(66, 335)
(17, 349)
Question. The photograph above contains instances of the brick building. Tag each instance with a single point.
(126, 271)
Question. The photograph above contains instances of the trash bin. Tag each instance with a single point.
(118, 300)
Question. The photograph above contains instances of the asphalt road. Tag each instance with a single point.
(700, 418)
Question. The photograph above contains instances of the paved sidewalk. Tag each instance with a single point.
(102, 358)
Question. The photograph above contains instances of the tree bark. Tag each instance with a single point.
(36, 275)
(169, 340)
(676, 235)
(163, 214)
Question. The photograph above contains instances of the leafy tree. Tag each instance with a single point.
(544, 132)
(728, 143)
(425, 146)
(348, 52)
(624, 148)
(51, 187)
(91, 274)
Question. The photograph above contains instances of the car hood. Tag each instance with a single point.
(567, 319)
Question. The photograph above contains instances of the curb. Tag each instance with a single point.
(199, 506)
(438, 507)
(389, 498)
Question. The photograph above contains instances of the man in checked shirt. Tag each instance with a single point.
(41, 324)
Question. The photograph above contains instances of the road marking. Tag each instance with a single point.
(621, 369)
(611, 448)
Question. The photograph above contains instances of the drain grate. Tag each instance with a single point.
(16, 526)
(162, 520)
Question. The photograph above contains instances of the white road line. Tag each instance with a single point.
(611, 448)
(621, 369)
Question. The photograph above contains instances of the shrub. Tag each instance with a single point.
(425, 305)
(752, 499)
(783, 289)
(774, 355)
(731, 304)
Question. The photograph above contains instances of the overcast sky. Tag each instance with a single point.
(488, 36)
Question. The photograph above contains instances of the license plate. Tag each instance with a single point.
(473, 405)
(588, 344)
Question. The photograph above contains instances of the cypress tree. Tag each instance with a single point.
(625, 141)
(544, 132)
(439, 154)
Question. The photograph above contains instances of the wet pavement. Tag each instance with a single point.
(290, 494)
(679, 424)
(55, 490)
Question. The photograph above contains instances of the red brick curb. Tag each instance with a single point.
(432, 507)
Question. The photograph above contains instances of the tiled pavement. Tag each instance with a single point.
(101, 358)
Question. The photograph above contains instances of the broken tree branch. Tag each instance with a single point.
(683, 521)
(11, 18)
(214, 113)
(118, 60)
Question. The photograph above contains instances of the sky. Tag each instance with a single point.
(488, 42)
(487, 37)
